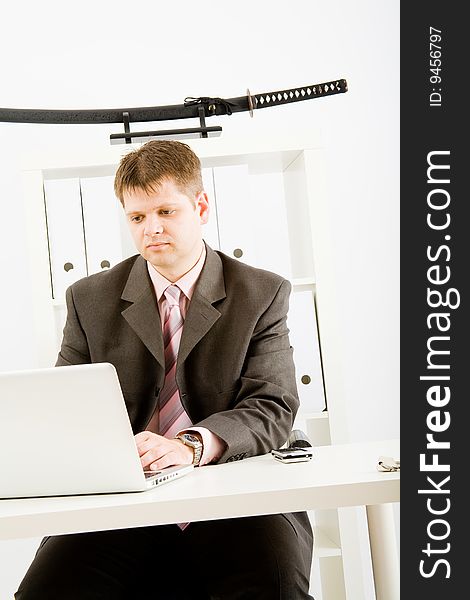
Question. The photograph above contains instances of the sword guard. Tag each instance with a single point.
(251, 102)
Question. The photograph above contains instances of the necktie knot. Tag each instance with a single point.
(172, 295)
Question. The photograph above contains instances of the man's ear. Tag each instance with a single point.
(202, 205)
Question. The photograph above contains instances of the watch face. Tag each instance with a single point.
(191, 438)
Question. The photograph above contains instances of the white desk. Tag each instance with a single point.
(337, 476)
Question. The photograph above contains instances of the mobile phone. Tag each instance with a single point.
(291, 455)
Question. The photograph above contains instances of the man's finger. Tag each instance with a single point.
(142, 436)
(169, 460)
(147, 445)
(151, 455)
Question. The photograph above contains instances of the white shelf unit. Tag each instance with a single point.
(267, 200)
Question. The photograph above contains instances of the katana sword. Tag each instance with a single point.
(192, 107)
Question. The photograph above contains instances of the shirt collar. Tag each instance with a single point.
(186, 283)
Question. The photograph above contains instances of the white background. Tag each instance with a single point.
(121, 54)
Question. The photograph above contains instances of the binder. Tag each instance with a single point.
(252, 216)
(303, 336)
(65, 233)
(101, 223)
(210, 231)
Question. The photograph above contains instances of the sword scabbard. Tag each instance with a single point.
(190, 108)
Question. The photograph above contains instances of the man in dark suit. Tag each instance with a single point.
(201, 347)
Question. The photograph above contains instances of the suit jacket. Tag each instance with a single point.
(235, 370)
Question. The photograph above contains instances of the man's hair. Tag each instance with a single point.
(153, 163)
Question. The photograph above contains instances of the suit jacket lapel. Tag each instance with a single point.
(142, 315)
(201, 314)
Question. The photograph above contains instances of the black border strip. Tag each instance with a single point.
(434, 271)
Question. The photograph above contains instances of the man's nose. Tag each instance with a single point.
(153, 225)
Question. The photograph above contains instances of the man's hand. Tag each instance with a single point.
(158, 452)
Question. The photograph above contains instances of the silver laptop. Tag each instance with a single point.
(66, 431)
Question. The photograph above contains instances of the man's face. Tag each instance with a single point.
(166, 227)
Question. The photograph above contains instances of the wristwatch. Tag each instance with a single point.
(193, 441)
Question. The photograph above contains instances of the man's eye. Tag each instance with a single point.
(136, 219)
(167, 211)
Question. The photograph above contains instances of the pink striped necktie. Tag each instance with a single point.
(172, 416)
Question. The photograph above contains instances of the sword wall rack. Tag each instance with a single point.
(129, 137)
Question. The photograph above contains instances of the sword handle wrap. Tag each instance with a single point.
(318, 90)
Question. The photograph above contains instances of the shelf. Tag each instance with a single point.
(323, 546)
(315, 415)
(300, 281)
